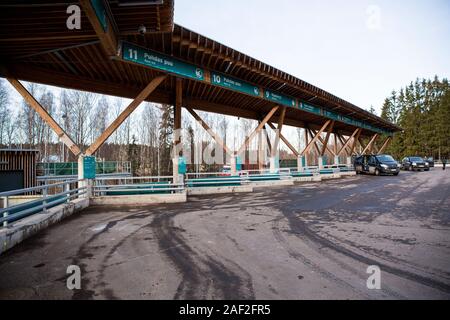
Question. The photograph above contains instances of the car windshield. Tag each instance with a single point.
(418, 159)
(385, 158)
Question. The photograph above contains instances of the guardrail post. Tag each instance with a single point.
(67, 189)
(5, 214)
(44, 194)
(349, 161)
(336, 160)
(320, 163)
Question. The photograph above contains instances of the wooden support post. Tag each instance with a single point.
(322, 141)
(369, 146)
(215, 136)
(346, 144)
(45, 116)
(252, 135)
(108, 38)
(314, 139)
(261, 154)
(336, 153)
(269, 145)
(177, 113)
(177, 130)
(283, 138)
(278, 132)
(312, 134)
(125, 114)
(327, 138)
(355, 141)
(385, 144)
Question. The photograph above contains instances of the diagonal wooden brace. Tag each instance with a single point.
(255, 132)
(205, 126)
(125, 114)
(45, 116)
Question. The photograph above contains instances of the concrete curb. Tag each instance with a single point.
(27, 227)
(139, 199)
(317, 178)
(218, 190)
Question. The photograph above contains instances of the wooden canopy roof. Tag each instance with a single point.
(36, 45)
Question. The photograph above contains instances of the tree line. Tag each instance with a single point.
(422, 110)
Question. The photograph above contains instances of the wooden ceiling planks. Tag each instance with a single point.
(90, 62)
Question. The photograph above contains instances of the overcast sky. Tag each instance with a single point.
(356, 49)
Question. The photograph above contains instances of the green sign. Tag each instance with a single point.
(310, 108)
(279, 98)
(100, 12)
(234, 84)
(162, 62)
(331, 115)
(88, 167)
(159, 61)
(182, 169)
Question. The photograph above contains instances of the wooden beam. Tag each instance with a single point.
(312, 134)
(33, 103)
(205, 126)
(369, 145)
(278, 132)
(262, 124)
(285, 140)
(355, 141)
(177, 111)
(327, 138)
(322, 141)
(385, 144)
(335, 144)
(261, 154)
(345, 145)
(107, 37)
(269, 145)
(125, 114)
(314, 139)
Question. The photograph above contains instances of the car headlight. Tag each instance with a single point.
(414, 163)
(385, 166)
(398, 165)
(427, 164)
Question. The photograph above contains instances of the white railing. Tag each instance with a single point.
(104, 186)
(46, 196)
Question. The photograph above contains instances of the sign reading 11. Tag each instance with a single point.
(133, 54)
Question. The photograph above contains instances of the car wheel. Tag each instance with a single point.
(410, 168)
(377, 172)
(396, 174)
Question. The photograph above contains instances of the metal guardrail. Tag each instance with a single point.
(48, 195)
(64, 190)
(71, 168)
(106, 186)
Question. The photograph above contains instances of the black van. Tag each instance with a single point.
(377, 164)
